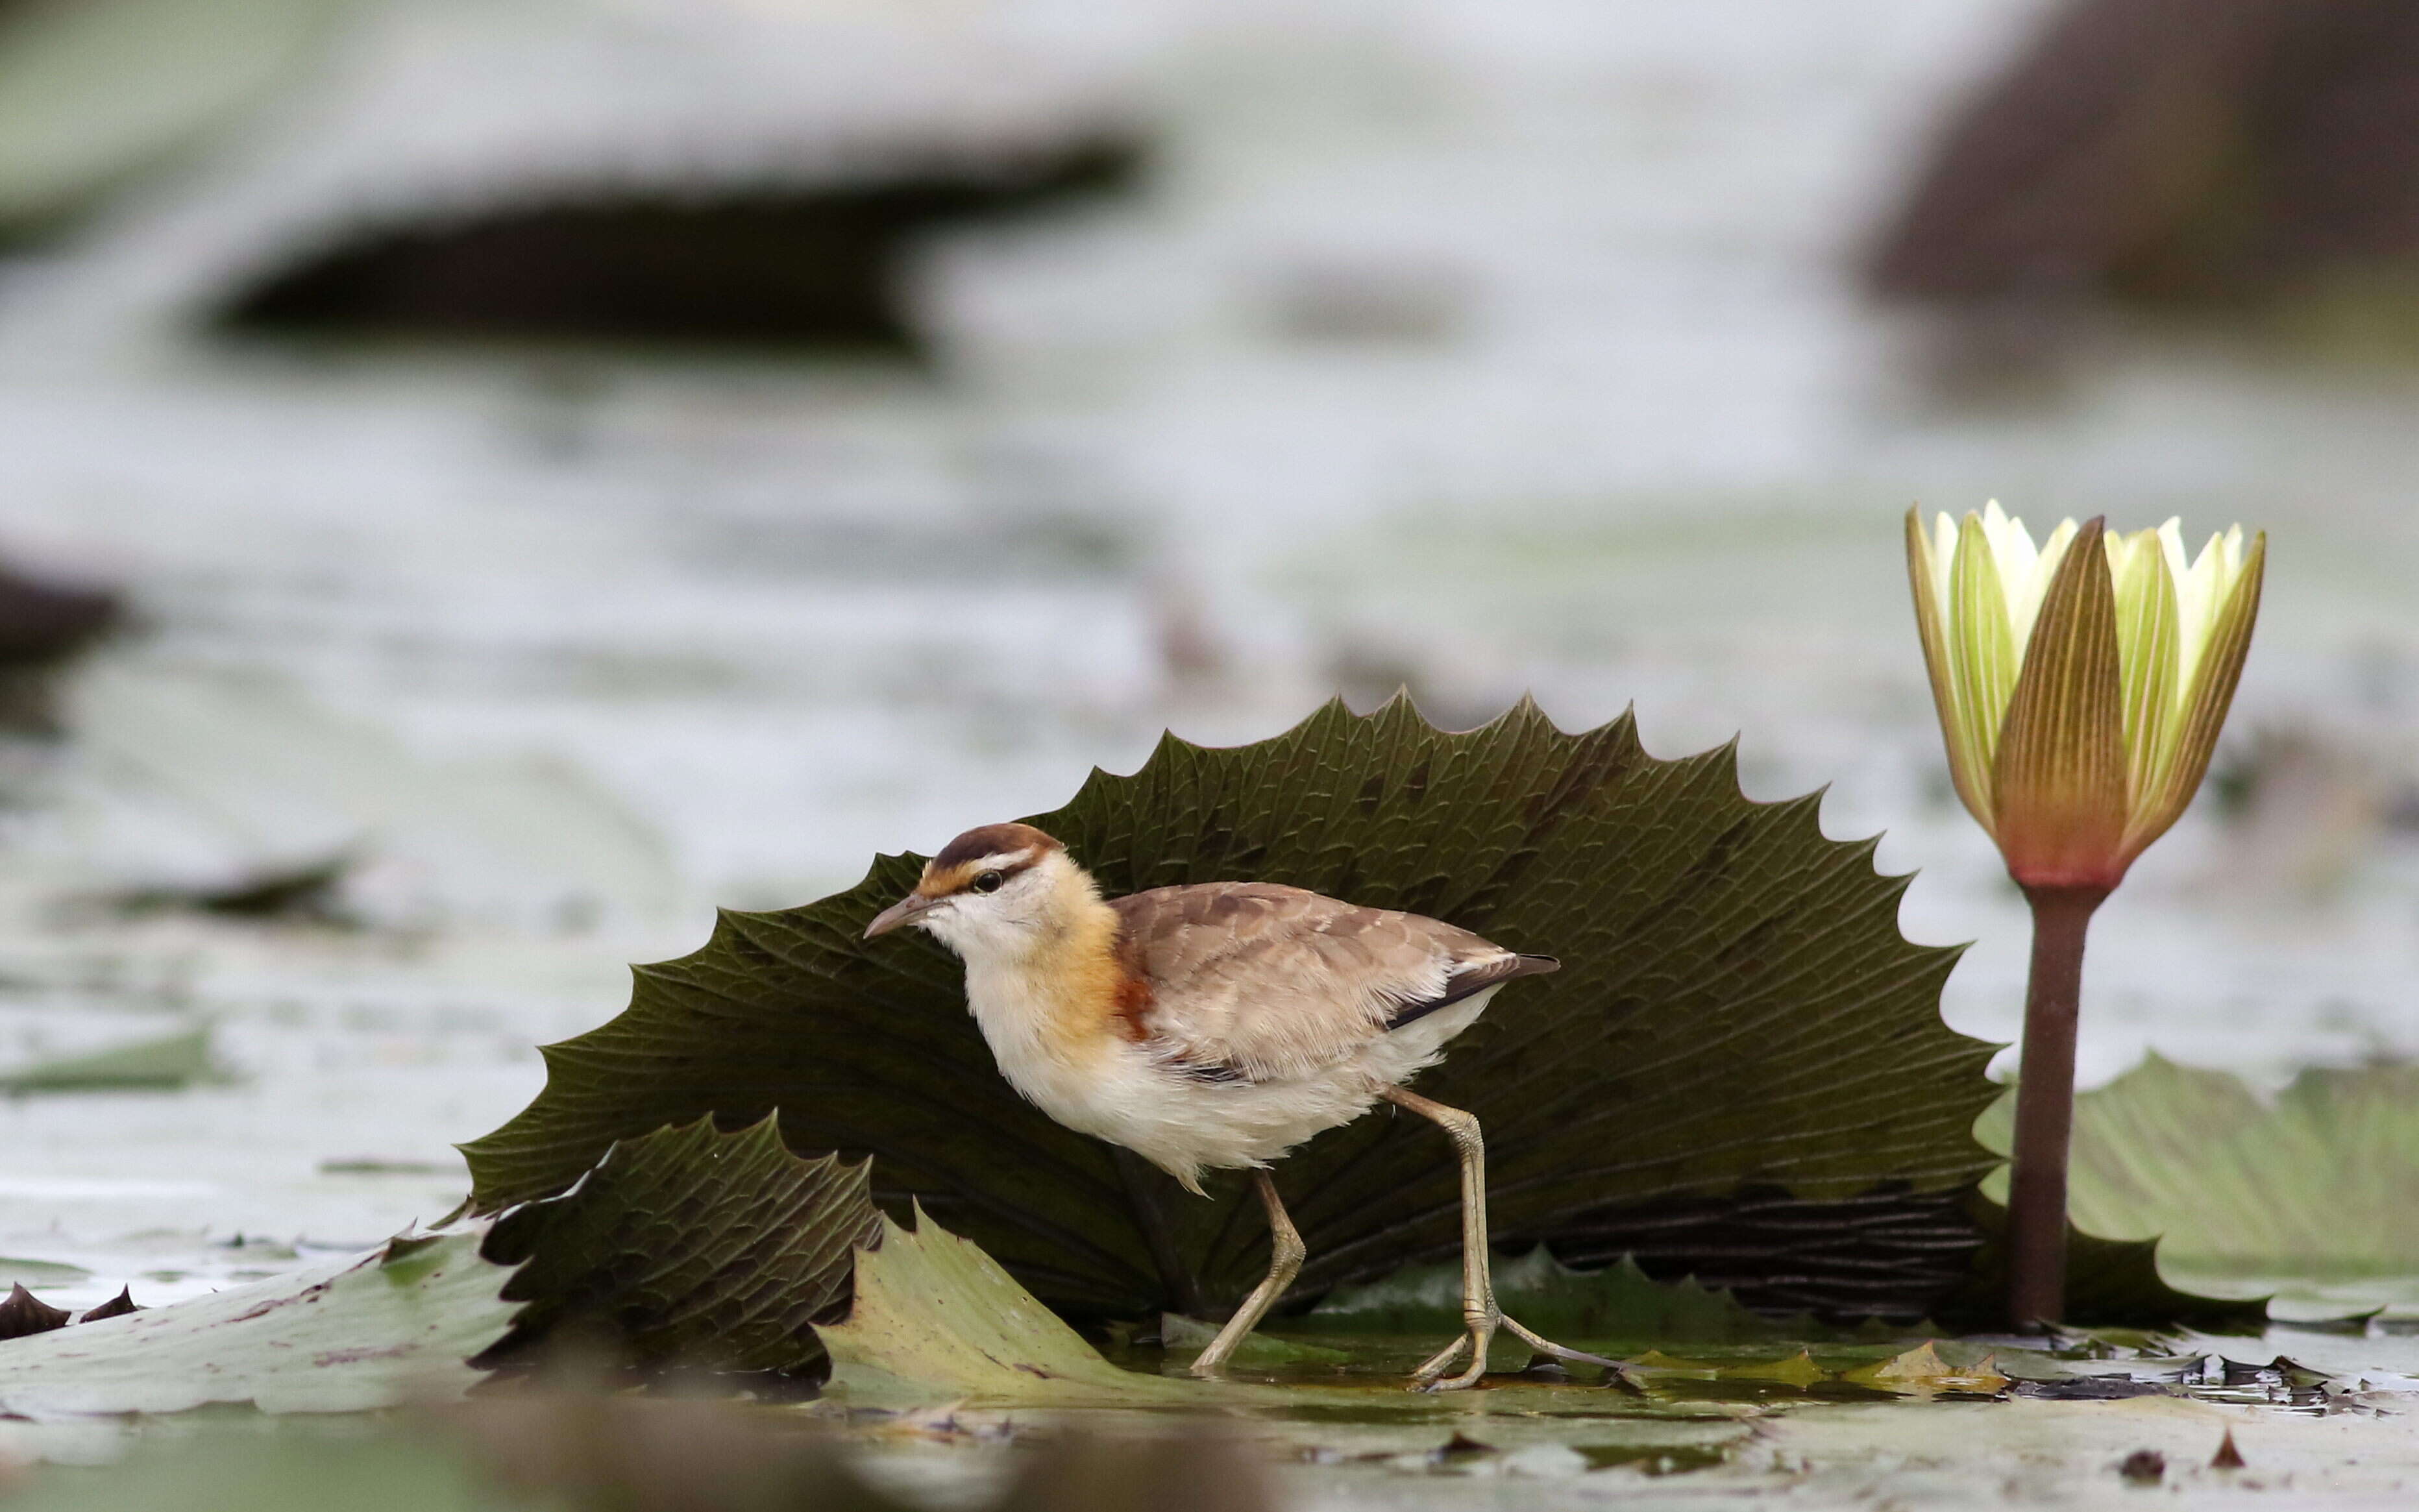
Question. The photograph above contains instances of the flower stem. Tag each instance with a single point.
(2045, 1104)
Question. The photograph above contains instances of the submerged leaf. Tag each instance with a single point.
(368, 1331)
(1619, 1302)
(689, 1248)
(1740, 1072)
(177, 1060)
(1797, 1370)
(935, 1313)
(14, 1269)
(1185, 1337)
(1922, 1369)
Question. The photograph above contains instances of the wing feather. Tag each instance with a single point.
(1258, 981)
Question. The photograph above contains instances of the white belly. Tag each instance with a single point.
(1119, 1091)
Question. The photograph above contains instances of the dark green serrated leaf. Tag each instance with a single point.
(689, 1248)
(1741, 1057)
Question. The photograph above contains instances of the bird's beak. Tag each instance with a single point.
(905, 911)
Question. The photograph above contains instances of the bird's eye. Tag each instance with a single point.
(988, 882)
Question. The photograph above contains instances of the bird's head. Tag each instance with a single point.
(992, 890)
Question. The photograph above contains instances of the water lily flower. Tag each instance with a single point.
(2080, 707)
(2081, 684)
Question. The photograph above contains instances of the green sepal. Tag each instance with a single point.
(2180, 767)
(2059, 778)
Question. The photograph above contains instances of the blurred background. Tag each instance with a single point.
(482, 484)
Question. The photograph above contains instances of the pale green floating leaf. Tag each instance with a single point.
(933, 1312)
(344, 1335)
(247, 1473)
(1185, 1337)
(35, 1273)
(1922, 1371)
(1797, 1370)
(94, 93)
(2316, 1185)
(172, 1061)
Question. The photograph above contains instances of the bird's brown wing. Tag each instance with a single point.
(1263, 982)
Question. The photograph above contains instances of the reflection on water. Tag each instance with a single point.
(1470, 349)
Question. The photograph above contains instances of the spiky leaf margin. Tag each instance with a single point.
(1738, 1026)
(691, 1250)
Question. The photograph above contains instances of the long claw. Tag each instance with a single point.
(1547, 1345)
(1480, 1334)
(1463, 1381)
(1477, 1344)
(1437, 1363)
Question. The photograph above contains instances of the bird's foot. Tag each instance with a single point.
(1481, 1332)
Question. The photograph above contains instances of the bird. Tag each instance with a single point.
(1217, 1025)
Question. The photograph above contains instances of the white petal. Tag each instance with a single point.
(1944, 554)
(2026, 593)
(2198, 596)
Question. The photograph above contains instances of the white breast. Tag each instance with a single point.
(1114, 1089)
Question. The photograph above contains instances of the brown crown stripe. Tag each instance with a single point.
(960, 860)
(992, 839)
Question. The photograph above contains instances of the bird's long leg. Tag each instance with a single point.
(1479, 1311)
(1285, 1261)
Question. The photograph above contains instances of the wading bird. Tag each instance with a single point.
(1217, 1026)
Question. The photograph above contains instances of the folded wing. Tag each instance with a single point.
(1260, 982)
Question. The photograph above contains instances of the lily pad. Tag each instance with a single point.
(935, 1314)
(1797, 1370)
(1186, 1337)
(1619, 1302)
(691, 1249)
(1921, 1371)
(369, 1331)
(170, 1060)
(2317, 1183)
(1740, 1072)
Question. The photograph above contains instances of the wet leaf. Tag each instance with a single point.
(1655, 1362)
(222, 1474)
(1922, 1369)
(176, 1060)
(691, 1249)
(1797, 1370)
(1619, 1302)
(2110, 1283)
(2314, 1184)
(1740, 1072)
(343, 1336)
(1185, 1337)
(937, 1317)
(1655, 1367)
